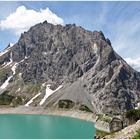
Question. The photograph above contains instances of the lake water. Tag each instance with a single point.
(44, 127)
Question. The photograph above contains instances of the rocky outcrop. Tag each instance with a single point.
(126, 133)
(102, 125)
(82, 61)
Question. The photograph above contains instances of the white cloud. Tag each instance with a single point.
(22, 19)
(135, 63)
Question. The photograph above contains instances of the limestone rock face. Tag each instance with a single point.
(82, 61)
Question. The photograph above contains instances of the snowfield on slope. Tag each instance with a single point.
(48, 93)
(6, 50)
(28, 103)
(6, 83)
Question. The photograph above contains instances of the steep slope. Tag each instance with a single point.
(82, 62)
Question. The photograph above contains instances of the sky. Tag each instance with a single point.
(119, 21)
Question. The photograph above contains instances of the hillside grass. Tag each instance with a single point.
(85, 108)
(6, 99)
(104, 118)
(66, 104)
(4, 71)
(33, 88)
(137, 134)
(133, 115)
(101, 134)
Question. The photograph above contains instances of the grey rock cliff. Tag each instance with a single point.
(84, 62)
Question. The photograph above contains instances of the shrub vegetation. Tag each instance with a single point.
(84, 108)
(133, 115)
(66, 104)
(137, 135)
(6, 99)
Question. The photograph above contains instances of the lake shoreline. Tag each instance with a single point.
(49, 111)
(77, 114)
(21, 126)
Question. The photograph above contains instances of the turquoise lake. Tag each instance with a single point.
(44, 127)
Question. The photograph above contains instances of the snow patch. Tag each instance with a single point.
(138, 105)
(4, 52)
(6, 64)
(6, 83)
(20, 75)
(28, 103)
(23, 59)
(14, 68)
(11, 44)
(95, 48)
(44, 53)
(48, 93)
(43, 85)
(11, 57)
(9, 63)
(18, 90)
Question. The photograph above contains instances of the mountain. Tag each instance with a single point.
(67, 67)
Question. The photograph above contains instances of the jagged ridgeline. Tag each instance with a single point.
(67, 67)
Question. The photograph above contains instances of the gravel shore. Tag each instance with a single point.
(125, 133)
(49, 111)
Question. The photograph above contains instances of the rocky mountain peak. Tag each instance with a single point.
(84, 62)
(71, 46)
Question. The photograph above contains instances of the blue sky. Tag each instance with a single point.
(119, 21)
